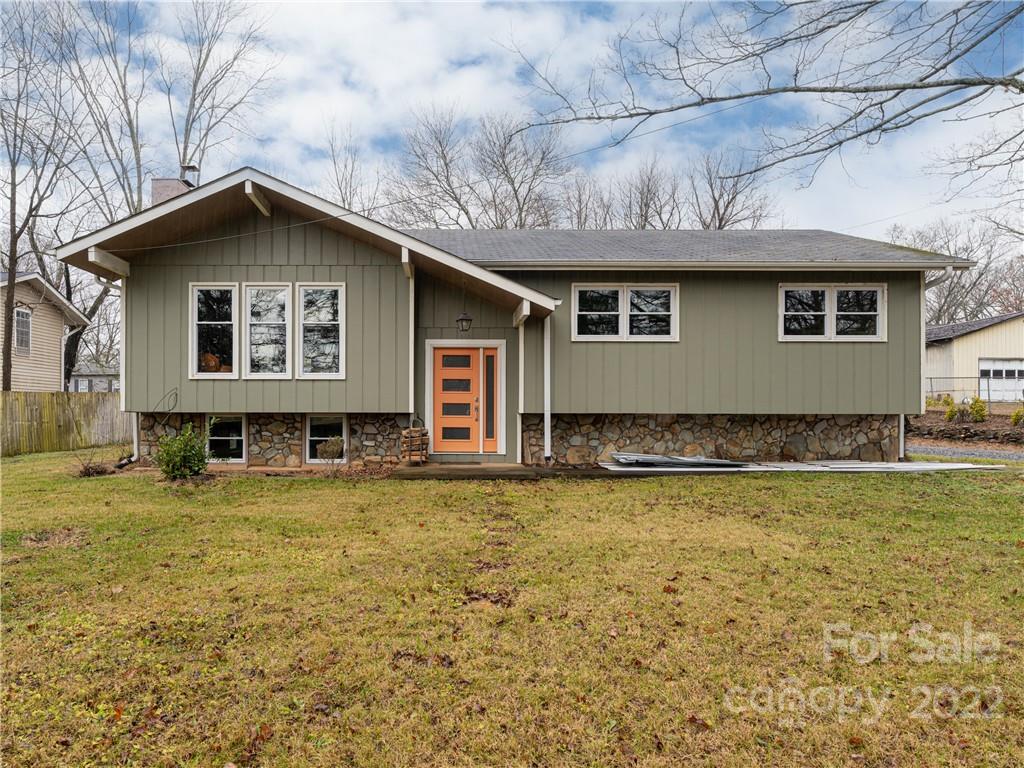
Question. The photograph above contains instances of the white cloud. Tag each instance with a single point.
(369, 66)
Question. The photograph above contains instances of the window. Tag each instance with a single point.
(321, 330)
(986, 373)
(997, 373)
(625, 313)
(100, 385)
(320, 429)
(214, 341)
(115, 385)
(22, 330)
(268, 348)
(82, 385)
(832, 313)
(226, 438)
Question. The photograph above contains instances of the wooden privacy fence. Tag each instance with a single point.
(36, 422)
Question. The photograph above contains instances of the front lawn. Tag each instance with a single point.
(294, 622)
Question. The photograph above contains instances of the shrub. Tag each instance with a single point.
(333, 452)
(952, 413)
(978, 409)
(1017, 418)
(943, 401)
(183, 455)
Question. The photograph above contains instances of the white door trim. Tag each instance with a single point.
(428, 384)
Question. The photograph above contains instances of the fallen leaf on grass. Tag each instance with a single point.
(668, 589)
(699, 722)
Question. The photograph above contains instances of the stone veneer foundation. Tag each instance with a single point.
(276, 439)
(583, 440)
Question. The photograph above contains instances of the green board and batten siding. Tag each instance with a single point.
(376, 317)
(728, 359)
(437, 305)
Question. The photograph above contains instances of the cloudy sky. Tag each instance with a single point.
(368, 66)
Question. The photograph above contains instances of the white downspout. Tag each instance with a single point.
(547, 388)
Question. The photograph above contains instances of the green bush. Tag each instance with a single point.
(1017, 418)
(978, 409)
(953, 413)
(183, 455)
(944, 401)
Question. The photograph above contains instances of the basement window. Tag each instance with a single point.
(320, 429)
(832, 312)
(226, 438)
(213, 340)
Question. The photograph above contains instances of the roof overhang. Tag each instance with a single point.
(108, 252)
(74, 316)
(726, 266)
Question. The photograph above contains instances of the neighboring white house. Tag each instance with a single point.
(42, 319)
(985, 357)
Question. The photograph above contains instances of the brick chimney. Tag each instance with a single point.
(165, 189)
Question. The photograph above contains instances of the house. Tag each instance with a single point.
(89, 377)
(43, 319)
(280, 320)
(983, 357)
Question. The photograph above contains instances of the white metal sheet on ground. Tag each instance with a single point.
(796, 466)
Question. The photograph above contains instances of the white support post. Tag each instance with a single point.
(412, 345)
(522, 394)
(109, 262)
(258, 198)
(547, 388)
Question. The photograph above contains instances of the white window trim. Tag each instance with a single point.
(830, 311)
(288, 321)
(245, 437)
(79, 383)
(193, 330)
(342, 329)
(305, 438)
(18, 349)
(623, 314)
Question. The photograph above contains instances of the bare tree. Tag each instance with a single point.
(879, 67)
(210, 88)
(724, 195)
(967, 294)
(349, 184)
(35, 113)
(483, 176)
(651, 196)
(1008, 295)
(584, 203)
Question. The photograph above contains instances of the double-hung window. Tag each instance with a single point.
(321, 331)
(22, 330)
(832, 312)
(213, 340)
(625, 312)
(320, 430)
(268, 341)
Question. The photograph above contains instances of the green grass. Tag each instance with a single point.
(294, 622)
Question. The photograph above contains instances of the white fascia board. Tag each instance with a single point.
(326, 207)
(723, 266)
(403, 240)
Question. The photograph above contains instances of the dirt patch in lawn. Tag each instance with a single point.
(72, 538)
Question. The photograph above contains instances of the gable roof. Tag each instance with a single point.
(689, 249)
(71, 313)
(937, 333)
(172, 221)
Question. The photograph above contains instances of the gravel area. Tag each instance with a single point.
(966, 451)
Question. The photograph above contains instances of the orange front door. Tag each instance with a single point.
(465, 400)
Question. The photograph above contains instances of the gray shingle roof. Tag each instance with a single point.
(956, 330)
(700, 247)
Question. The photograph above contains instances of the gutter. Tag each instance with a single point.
(723, 266)
(935, 281)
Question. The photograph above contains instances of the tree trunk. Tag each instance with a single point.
(9, 289)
